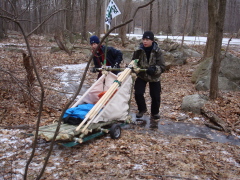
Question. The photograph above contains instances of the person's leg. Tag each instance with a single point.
(140, 86)
(155, 93)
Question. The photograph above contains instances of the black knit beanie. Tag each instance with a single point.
(148, 35)
(94, 39)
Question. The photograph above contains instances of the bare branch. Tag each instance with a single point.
(19, 83)
(228, 46)
(47, 18)
(14, 10)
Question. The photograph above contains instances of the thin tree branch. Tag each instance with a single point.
(20, 84)
(228, 46)
(41, 99)
(47, 18)
(14, 10)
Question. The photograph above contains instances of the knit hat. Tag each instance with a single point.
(94, 39)
(148, 35)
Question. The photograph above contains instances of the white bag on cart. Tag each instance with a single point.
(118, 105)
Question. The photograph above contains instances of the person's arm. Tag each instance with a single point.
(159, 66)
(160, 63)
(135, 55)
(114, 56)
(118, 56)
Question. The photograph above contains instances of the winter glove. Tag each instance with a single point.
(151, 70)
(93, 70)
(116, 65)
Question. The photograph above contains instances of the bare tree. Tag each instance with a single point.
(216, 14)
(159, 16)
(150, 17)
(98, 17)
(177, 17)
(2, 25)
(169, 15)
(125, 16)
(169, 29)
(69, 18)
(194, 18)
(2, 31)
(185, 23)
(84, 12)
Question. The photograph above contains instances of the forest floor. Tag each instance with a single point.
(140, 153)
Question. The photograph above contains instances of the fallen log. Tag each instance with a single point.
(217, 121)
(61, 45)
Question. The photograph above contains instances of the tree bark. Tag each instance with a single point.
(218, 24)
(69, 19)
(169, 29)
(84, 11)
(29, 70)
(159, 17)
(194, 18)
(125, 16)
(209, 48)
(1, 28)
(151, 17)
(185, 23)
(98, 17)
(2, 31)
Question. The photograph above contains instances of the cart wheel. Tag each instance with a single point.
(115, 131)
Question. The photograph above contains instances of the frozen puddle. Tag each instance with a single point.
(169, 127)
(70, 77)
(189, 129)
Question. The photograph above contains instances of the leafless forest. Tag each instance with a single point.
(30, 96)
(162, 16)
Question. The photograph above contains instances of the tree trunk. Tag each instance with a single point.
(209, 48)
(151, 17)
(1, 28)
(125, 16)
(185, 23)
(69, 19)
(194, 18)
(218, 8)
(29, 70)
(177, 20)
(98, 17)
(169, 30)
(84, 5)
(159, 18)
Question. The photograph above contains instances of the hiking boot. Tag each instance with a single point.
(155, 116)
(140, 114)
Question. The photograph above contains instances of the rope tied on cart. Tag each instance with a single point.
(119, 82)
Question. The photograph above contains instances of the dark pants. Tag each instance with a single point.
(155, 91)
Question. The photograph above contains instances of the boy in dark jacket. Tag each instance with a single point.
(150, 58)
(113, 59)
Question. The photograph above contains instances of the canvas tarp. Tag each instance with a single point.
(117, 107)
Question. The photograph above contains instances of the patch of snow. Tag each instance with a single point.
(189, 39)
(138, 167)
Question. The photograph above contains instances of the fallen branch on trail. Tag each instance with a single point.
(61, 45)
(218, 123)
